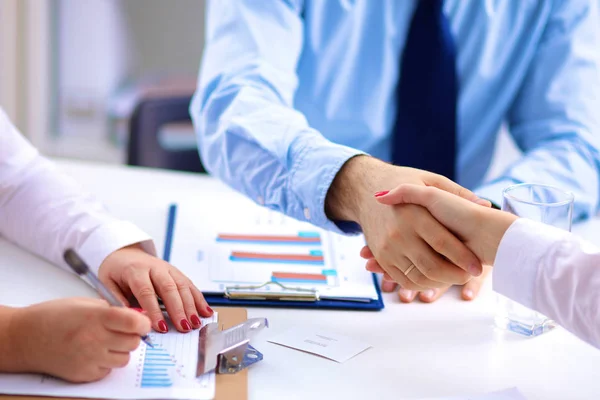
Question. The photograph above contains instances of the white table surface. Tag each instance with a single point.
(419, 350)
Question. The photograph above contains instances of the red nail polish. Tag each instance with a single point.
(162, 326)
(195, 320)
(186, 325)
(379, 194)
(137, 309)
(210, 310)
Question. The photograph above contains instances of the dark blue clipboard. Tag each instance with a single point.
(218, 299)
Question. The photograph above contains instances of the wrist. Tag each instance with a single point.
(500, 221)
(14, 349)
(356, 182)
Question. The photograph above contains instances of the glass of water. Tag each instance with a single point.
(543, 203)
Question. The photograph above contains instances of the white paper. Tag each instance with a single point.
(199, 251)
(326, 344)
(506, 394)
(167, 371)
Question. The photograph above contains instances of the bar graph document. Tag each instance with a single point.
(222, 244)
(167, 371)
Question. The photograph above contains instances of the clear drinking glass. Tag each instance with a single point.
(543, 203)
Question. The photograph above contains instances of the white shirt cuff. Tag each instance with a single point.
(521, 253)
(110, 237)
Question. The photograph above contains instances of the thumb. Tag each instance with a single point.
(406, 194)
(447, 185)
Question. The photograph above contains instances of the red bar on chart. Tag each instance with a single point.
(298, 277)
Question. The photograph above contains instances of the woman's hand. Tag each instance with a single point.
(131, 271)
(480, 228)
(76, 339)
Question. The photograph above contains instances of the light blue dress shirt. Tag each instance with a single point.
(290, 90)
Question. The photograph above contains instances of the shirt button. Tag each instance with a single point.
(306, 213)
(260, 200)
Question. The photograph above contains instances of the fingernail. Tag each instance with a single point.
(474, 270)
(186, 325)
(468, 294)
(407, 294)
(210, 310)
(429, 293)
(136, 309)
(195, 320)
(162, 326)
(379, 194)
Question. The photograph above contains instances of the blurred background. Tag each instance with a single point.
(72, 72)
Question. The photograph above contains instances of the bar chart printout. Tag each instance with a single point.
(241, 244)
(157, 368)
(167, 371)
(293, 259)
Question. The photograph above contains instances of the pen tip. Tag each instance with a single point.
(148, 342)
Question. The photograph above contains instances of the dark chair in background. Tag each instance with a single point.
(144, 147)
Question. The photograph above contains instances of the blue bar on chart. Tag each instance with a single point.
(278, 258)
(157, 368)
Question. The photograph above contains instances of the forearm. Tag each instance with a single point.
(553, 272)
(249, 133)
(12, 359)
(46, 212)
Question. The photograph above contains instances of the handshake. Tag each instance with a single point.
(426, 234)
(479, 228)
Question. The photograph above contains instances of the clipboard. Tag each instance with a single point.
(233, 386)
(303, 302)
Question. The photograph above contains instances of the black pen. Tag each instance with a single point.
(81, 269)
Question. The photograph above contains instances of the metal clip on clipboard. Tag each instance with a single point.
(228, 351)
(286, 293)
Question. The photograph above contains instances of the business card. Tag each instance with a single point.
(330, 345)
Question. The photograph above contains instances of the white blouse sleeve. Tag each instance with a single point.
(553, 272)
(46, 212)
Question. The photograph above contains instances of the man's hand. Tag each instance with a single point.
(131, 271)
(411, 246)
(480, 228)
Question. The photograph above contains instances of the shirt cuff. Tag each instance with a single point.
(521, 253)
(110, 237)
(318, 163)
(493, 190)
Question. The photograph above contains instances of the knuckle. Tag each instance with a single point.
(410, 286)
(420, 280)
(427, 267)
(182, 284)
(394, 236)
(113, 314)
(145, 291)
(169, 287)
(133, 343)
(122, 360)
(439, 243)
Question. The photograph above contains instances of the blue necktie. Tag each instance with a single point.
(424, 134)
